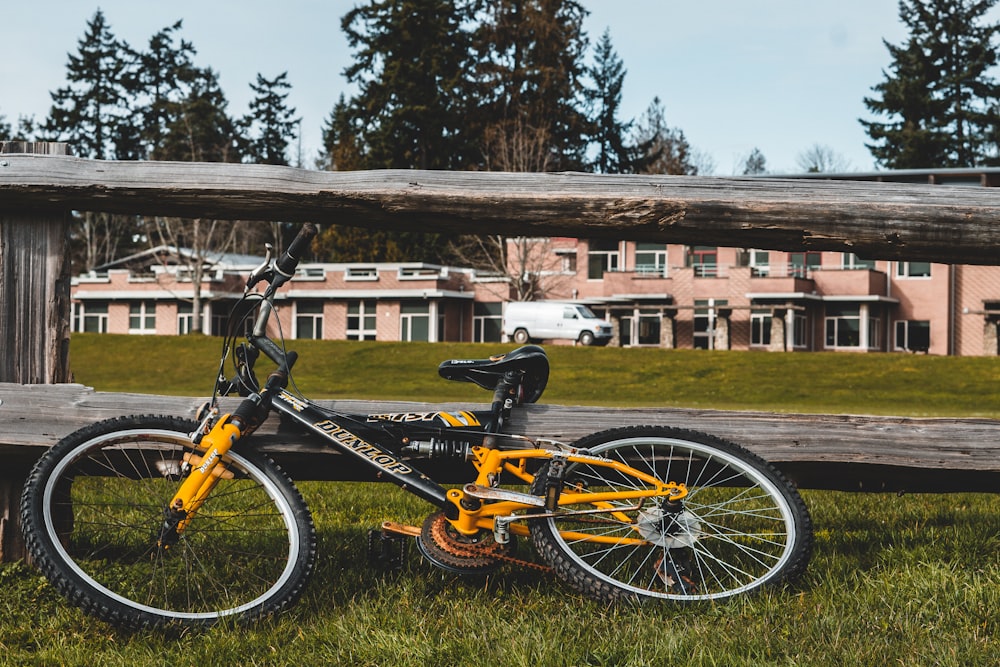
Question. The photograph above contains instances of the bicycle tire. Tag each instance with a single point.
(93, 505)
(742, 525)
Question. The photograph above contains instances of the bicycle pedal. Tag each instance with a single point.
(387, 551)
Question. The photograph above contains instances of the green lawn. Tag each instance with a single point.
(895, 580)
(903, 384)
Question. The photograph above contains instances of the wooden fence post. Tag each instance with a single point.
(34, 317)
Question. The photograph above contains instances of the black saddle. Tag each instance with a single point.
(530, 361)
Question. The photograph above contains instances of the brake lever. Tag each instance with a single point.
(262, 272)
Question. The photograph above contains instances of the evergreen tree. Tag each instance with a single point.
(90, 112)
(341, 150)
(938, 94)
(664, 150)
(159, 84)
(202, 129)
(531, 69)
(271, 125)
(608, 75)
(755, 164)
(410, 64)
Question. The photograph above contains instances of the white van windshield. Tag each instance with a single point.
(586, 313)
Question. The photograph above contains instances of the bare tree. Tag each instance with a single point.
(196, 243)
(822, 159)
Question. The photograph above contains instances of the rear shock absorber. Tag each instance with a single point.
(437, 448)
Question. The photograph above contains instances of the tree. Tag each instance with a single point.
(530, 69)
(822, 159)
(91, 114)
(410, 63)
(608, 75)
(938, 95)
(202, 131)
(159, 84)
(755, 163)
(88, 111)
(271, 125)
(665, 150)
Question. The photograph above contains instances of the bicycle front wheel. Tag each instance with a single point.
(93, 507)
(741, 526)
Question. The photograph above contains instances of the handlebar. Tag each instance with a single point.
(285, 266)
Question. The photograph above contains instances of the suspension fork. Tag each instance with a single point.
(207, 468)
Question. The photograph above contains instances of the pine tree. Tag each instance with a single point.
(938, 92)
(90, 112)
(530, 73)
(664, 150)
(271, 125)
(410, 63)
(202, 129)
(158, 85)
(755, 164)
(608, 75)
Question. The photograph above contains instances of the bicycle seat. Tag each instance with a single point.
(530, 360)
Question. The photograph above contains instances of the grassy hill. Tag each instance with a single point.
(903, 384)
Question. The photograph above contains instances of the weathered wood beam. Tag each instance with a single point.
(908, 453)
(875, 220)
(34, 291)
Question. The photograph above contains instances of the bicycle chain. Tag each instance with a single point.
(492, 550)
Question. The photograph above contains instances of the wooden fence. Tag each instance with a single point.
(40, 185)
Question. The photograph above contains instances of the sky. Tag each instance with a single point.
(777, 75)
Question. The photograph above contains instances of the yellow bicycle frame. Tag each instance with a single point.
(475, 516)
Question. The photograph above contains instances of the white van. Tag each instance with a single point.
(524, 321)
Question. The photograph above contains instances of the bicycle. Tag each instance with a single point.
(148, 521)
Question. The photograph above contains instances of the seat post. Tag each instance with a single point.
(505, 397)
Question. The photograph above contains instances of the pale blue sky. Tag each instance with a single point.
(780, 75)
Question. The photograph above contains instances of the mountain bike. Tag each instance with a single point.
(148, 521)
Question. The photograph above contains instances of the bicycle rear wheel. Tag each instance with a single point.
(741, 526)
(92, 510)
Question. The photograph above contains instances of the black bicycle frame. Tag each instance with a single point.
(351, 436)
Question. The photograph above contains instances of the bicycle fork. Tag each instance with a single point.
(206, 469)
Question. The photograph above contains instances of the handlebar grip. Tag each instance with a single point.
(290, 258)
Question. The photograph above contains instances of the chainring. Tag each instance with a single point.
(450, 550)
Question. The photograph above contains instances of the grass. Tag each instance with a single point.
(888, 384)
(910, 580)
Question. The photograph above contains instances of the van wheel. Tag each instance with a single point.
(521, 337)
(586, 338)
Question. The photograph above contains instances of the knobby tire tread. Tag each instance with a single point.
(95, 603)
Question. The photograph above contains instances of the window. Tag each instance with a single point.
(487, 322)
(361, 319)
(92, 317)
(851, 261)
(361, 273)
(415, 322)
(760, 327)
(760, 263)
(142, 317)
(705, 319)
(184, 318)
(843, 326)
(602, 257)
(913, 269)
(799, 329)
(801, 263)
(913, 335)
(309, 319)
(651, 259)
(705, 260)
(641, 328)
(851, 326)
